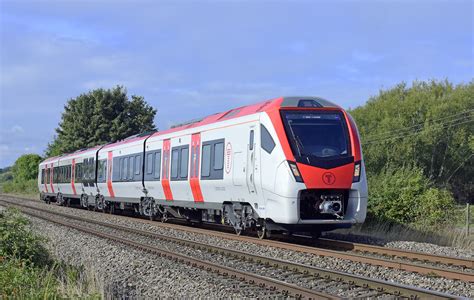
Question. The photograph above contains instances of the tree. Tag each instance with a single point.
(98, 117)
(429, 126)
(26, 167)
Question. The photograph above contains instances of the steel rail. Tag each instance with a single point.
(285, 288)
(374, 284)
(461, 262)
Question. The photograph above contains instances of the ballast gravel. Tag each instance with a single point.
(133, 274)
(440, 284)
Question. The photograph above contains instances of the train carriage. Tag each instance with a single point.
(291, 164)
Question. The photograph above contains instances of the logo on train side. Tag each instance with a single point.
(329, 178)
(228, 157)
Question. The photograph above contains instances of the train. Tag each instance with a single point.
(289, 165)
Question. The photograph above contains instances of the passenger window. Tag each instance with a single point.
(120, 167)
(251, 140)
(157, 164)
(174, 163)
(132, 167)
(124, 168)
(206, 161)
(138, 164)
(183, 173)
(218, 156)
(266, 140)
(213, 160)
(149, 163)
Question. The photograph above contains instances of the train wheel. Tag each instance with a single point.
(262, 232)
(164, 218)
(60, 199)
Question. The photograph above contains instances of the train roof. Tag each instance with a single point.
(294, 101)
(265, 106)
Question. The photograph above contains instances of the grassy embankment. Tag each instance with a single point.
(451, 234)
(28, 271)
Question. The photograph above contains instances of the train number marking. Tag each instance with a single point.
(228, 157)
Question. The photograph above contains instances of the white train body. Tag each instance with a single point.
(264, 165)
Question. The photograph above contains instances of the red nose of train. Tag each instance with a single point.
(325, 145)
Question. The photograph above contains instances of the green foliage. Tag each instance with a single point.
(101, 116)
(29, 187)
(26, 167)
(429, 125)
(19, 280)
(28, 272)
(6, 174)
(17, 241)
(405, 196)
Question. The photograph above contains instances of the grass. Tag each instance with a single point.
(450, 235)
(27, 271)
(29, 187)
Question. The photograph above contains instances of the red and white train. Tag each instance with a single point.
(291, 164)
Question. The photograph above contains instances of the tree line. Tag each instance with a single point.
(418, 144)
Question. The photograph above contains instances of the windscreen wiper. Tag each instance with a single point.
(297, 141)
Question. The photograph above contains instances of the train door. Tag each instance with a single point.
(250, 170)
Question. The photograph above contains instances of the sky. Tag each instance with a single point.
(193, 58)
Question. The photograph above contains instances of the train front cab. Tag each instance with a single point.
(321, 184)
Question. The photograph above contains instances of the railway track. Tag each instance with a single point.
(422, 263)
(364, 287)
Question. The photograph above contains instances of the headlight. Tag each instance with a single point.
(295, 171)
(356, 176)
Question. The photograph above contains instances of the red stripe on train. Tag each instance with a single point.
(194, 176)
(109, 174)
(44, 178)
(51, 178)
(165, 182)
(73, 176)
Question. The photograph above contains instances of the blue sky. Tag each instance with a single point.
(189, 59)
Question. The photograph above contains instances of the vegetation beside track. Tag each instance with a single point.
(28, 271)
(418, 144)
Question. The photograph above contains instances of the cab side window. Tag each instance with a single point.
(266, 140)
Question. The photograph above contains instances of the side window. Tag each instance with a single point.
(218, 156)
(131, 167)
(206, 161)
(78, 172)
(92, 166)
(251, 141)
(183, 165)
(149, 163)
(124, 168)
(120, 167)
(212, 164)
(266, 140)
(174, 163)
(157, 165)
(102, 170)
(47, 176)
(138, 164)
(84, 170)
(179, 163)
(42, 175)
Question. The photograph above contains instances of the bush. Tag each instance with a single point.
(18, 242)
(19, 280)
(29, 187)
(406, 196)
(28, 272)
